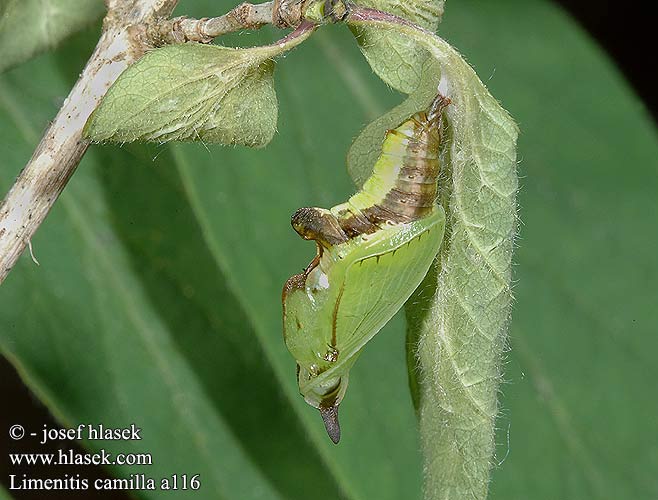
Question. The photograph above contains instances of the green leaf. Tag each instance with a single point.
(4, 495)
(203, 241)
(28, 27)
(458, 318)
(394, 58)
(193, 92)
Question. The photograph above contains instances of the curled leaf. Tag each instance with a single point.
(193, 92)
(458, 316)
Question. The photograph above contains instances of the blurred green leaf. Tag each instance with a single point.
(4, 495)
(157, 298)
(29, 26)
(190, 92)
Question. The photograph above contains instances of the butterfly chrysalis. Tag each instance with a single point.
(372, 253)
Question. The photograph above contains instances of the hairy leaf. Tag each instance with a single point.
(458, 319)
(193, 92)
(397, 60)
(30, 26)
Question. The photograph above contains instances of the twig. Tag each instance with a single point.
(124, 39)
(281, 13)
(185, 29)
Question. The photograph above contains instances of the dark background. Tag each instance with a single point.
(626, 34)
